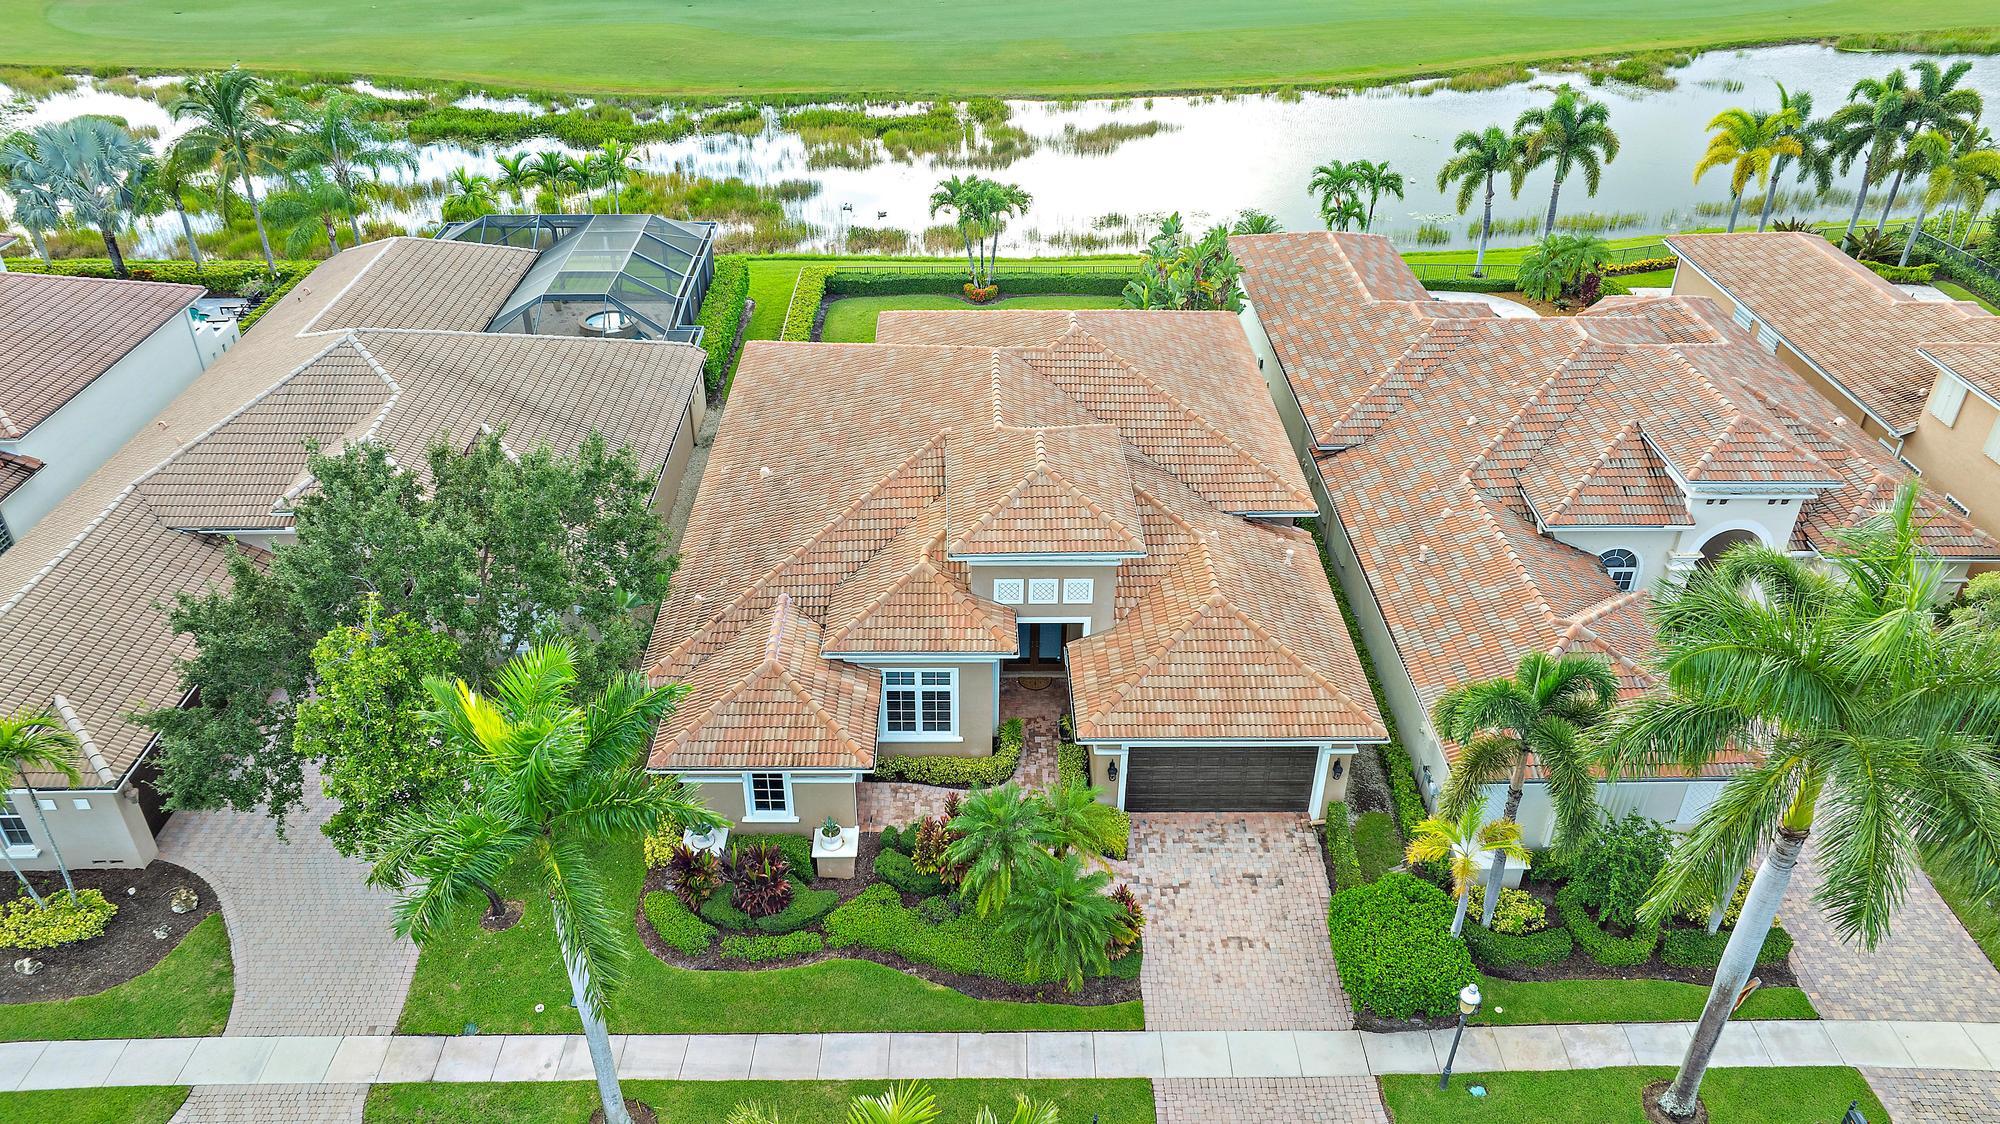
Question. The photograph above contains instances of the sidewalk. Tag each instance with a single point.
(359, 1060)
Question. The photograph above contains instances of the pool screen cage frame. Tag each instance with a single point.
(653, 269)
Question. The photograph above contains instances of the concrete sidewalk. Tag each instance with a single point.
(359, 1060)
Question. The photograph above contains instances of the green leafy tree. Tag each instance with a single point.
(964, 199)
(1857, 709)
(1001, 835)
(1936, 104)
(1536, 716)
(1926, 154)
(552, 172)
(1479, 158)
(38, 742)
(468, 196)
(1811, 138)
(1979, 604)
(517, 177)
(1335, 183)
(230, 133)
(309, 207)
(1376, 180)
(1256, 222)
(1869, 128)
(1569, 134)
(1963, 182)
(553, 784)
(34, 208)
(89, 167)
(364, 723)
(613, 165)
(178, 186)
(1465, 839)
(1065, 921)
(1184, 273)
(1749, 144)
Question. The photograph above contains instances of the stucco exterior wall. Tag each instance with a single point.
(978, 712)
(1672, 801)
(110, 832)
(678, 456)
(812, 802)
(1104, 591)
(1953, 458)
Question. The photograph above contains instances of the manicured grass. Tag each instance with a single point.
(1960, 292)
(1655, 279)
(1980, 916)
(494, 981)
(133, 1104)
(1802, 1095)
(1377, 844)
(739, 47)
(1124, 1101)
(852, 319)
(187, 994)
(1513, 1003)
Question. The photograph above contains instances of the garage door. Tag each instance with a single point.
(1211, 779)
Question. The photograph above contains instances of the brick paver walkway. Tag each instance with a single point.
(1937, 1096)
(1928, 968)
(894, 804)
(1239, 1100)
(1236, 923)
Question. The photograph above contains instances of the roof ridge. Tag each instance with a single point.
(1590, 474)
(1196, 610)
(1289, 653)
(388, 244)
(1535, 397)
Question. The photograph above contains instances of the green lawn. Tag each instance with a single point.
(1805, 1095)
(134, 1104)
(187, 994)
(495, 980)
(852, 320)
(1980, 916)
(1960, 292)
(1125, 1101)
(1377, 844)
(1655, 279)
(1512, 1003)
(739, 47)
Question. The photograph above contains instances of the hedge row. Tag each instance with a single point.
(1610, 951)
(1410, 810)
(803, 311)
(1641, 265)
(283, 290)
(721, 315)
(219, 275)
(1338, 836)
(964, 943)
(1393, 946)
(959, 772)
(895, 868)
(1920, 274)
(1697, 948)
(1072, 764)
(758, 949)
(864, 282)
(676, 926)
(1501, 283)
(806, 908)
(1505, 950)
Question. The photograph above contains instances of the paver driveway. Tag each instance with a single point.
(1236, 923)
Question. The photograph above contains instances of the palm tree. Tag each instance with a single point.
(1535, 716)
(1963, 182)
(230, 132)
(1377, 180)
(1869, 128)
(1804, 130)
(1464, 840)
(37, 741)
(1926, 152)
(34, 208)
(1335, 184)
(1558, 263)
(468, 196)
(1002, 836)
(310, 204)
(1342, 214)
(912, 1103)
(582, 174)
(1937, 103)
(1571, 132)
(1005, 199)
(87, 165)
(552, 784)
(1478, 158)
(1065, 921)
(1076, 820)
(552, 172)
(615, 163)
(966, 199)
(517, 177)
(335, 138)
(1256, 222)
(1750, 143)
(1854, 701)
(178, 185)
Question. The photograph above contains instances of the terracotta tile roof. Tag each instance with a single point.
(1624, 483)
(916, 452)
(58, 334)
(1976, 363)
(15, 470)
(429, 283)
(1863, 332)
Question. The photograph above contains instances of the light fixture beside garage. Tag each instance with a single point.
(1339, 767)
(1111, 769)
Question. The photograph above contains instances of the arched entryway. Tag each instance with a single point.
(1722, 541)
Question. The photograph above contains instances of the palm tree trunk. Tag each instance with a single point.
(1549, 223)
(1735, 209)
(187, 228)
(595, 1036)
(495, 907)
(55, 849)
(333, 232)
(1485, 230)
(1458, 920)
(1739, 958)
(1368, 222)
(41, 247)
(1497, 869)
(340, 176)
(1860, 196)
(971, 270)
(1771, 195)
(111, 251)
(256, 211)
(23, 879)
(1889, 204)
(1910, 243)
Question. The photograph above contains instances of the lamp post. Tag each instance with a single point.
(1468, 1002)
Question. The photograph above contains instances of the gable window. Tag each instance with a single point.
(1623, 567)
(769, 797)
(1042, 591)
(14, 831)
(1007, 591)
(919, 703)
(1947, 397)
(1079, 591)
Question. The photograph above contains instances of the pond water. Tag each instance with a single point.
(1213, 157)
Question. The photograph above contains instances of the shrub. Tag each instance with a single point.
(1410, 810)
(934, 839)
(1615, 868)
(1519, 913)
(230, 276)
(676, 925)
(1697, 948)
(658, 847)
(1610, 951)
(62, 920)
(937, 910)
(1466, 283)
(760, 875)
(1072, 764)
(756, 950)
(797, 850)
(1696, 911)
(1641, 265)
(1341, 857)
(721, 315)
(877, 919)
(1505, 950)
(892, 839)
(723, 914)
(896, 868)
(960, 772)
(806, 907)
(1904, 274)
(864, 282)
(803, 310)
(1135, 921)
(694, 875)
(1393, 945)
(1118, 841)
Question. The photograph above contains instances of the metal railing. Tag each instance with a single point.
(1940, 250)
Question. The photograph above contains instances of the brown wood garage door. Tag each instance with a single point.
(1219, 779)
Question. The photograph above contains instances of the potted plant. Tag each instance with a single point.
(830, 831)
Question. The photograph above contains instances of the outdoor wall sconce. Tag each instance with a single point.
(1111, 769)
(1339, 767)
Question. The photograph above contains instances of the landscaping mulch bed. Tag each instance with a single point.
(1581, 967)
(127, 948)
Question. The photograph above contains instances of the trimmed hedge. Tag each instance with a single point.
(721, 315)
(1641, 265)
(719, 911)
(759, 949)
(895, 868)
(947, 771)
(1393, 945)
(1610, 951)
(1410, 810)
(866, 282)
(1504, 283)
(1904, 274)
(676, 926)
(217, 275)
(807, 906)
(1552, 945)
(283, 290)
(1696, 948)
(1072, 764)
(965, 944)
(1338, 837)
(803, 310)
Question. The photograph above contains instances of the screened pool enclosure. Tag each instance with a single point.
(630, 276)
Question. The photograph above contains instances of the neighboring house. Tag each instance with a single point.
(383, 343)
(1498, 486)
(1918, 375)
(84, 363)
(892, 539)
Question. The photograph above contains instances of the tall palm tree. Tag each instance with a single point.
(37, 741)
(1854, 703)
(1335, 183)
(1937, 103)
(1465, 840)
(967, 200)
(309, 205)
(178, 185)
(34, 208)
(615, 163)
(1569, 133)
(553, 783)
(1536, 716)
(1926, 152)
(552, 172)
(1869, 128)
(1377, 180)
(1343, 213)
(232, 133)
(1803, 130)
(468, 196)
(1065, 921)
(1478, 159)
(334, 137)
(582, 174)
(1749, 143)
(1256, 222)
(1004, 200)
(89, 166)
(1002, 836)
(1963, 182)
(517, 177)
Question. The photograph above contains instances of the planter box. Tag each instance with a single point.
(714, 843)
(834, 858)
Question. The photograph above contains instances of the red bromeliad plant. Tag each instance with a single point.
(1135, 914)
(694, 875)
(759, 873)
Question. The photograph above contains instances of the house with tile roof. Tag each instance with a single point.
(1922, 376)
(384, 343)
(1496, 486)
(891, 538)
(84, 363)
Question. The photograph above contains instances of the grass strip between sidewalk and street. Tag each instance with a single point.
(1114, 1101)
(1801, 1095)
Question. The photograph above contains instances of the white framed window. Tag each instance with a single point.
(767, 796)
(1079, 591)
(1623, 567)
(79, 803)
(1042, 591)
(1993, 442)
(1946, 398)
(919, 704)
(14, 831)
(1007, 591)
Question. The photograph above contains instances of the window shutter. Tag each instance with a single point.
(1946, 398)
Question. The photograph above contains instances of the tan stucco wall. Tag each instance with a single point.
(978, 698)
(1953, 458)
(678, 456)
(1336, 788)
(112, 832)
(812, 801)
(1104, 590)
